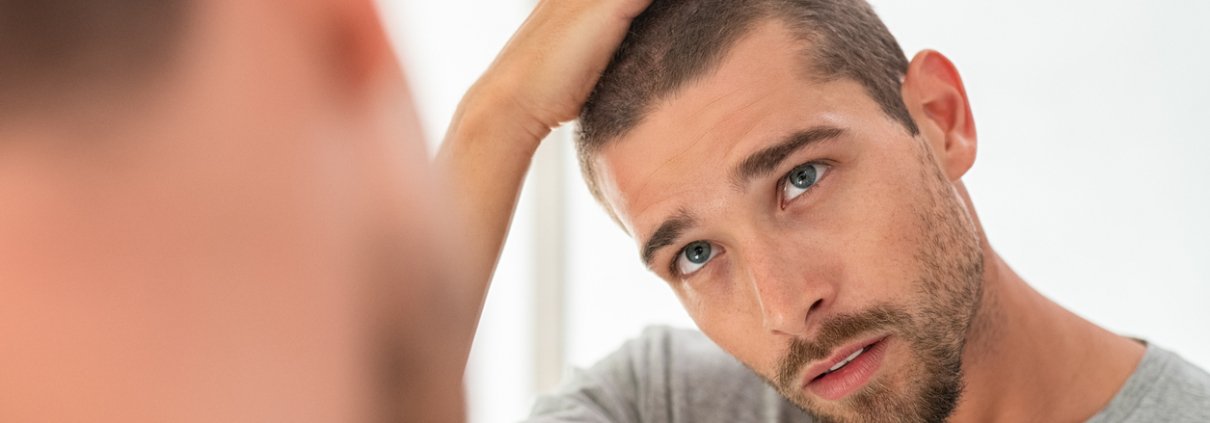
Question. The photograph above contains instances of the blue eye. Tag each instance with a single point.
(693, 257)
(801, 179)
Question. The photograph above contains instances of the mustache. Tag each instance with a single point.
(834, 333)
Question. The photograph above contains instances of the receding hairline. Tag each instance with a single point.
(656, 100)
(805, 69)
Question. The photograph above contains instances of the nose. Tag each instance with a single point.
(788, 292)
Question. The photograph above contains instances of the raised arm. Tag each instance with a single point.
(540, 80)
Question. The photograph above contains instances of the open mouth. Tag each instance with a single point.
(848, 373)
(844, 362)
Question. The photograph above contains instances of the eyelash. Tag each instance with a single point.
(676, 273)
(779, 187)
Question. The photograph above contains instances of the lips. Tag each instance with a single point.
(846, 371)
(847, 360)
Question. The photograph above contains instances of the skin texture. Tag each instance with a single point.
(245, 236)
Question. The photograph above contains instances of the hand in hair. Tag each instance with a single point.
(540, 79)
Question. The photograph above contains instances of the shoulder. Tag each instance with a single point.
(667, 375)
(1164, 387)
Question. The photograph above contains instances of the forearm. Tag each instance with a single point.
(541, 79)
(482, 164)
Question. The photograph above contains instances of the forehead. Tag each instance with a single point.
(682, 152)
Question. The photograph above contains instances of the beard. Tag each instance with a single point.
(947, 295)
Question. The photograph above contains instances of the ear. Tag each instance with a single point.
(358, 48)
(936, 98)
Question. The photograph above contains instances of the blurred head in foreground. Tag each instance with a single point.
(214, 210)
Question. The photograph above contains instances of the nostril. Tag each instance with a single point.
(818, 303)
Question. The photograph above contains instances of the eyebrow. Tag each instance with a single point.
(764, 161)
(668, 233)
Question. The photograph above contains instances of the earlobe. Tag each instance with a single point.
(937, 100)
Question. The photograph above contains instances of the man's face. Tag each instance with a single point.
(803, 229)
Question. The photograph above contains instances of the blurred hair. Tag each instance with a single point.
(54, 49)
(675, 42)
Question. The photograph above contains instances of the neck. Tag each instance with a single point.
(1029, 359)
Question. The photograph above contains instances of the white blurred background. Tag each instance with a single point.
(1092, 178)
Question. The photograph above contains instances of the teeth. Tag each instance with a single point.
(846, 360)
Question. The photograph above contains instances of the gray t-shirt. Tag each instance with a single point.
(680, 376)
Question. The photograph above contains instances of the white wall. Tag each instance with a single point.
(1092, 177)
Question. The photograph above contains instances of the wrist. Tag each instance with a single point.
(489, 113)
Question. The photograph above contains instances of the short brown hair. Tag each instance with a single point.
(54, 48)
(676, 41)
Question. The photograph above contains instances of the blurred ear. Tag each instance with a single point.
(360, 50)
(936, 98)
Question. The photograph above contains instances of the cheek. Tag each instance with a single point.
(734, 325)
(872, 224)
(744, 339)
